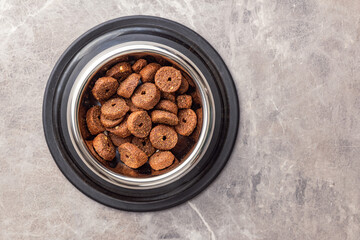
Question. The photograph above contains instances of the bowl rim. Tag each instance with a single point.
(80, 86)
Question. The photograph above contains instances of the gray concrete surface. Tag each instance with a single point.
(294, 172)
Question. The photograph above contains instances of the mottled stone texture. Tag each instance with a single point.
(295, 170)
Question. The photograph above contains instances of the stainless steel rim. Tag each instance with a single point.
(73, 114)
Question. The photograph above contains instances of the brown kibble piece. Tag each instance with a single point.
(108, 123)
(159, 116)
(167, 105)
(127, 87)
(104, 88)
(168, 96)
(120, 71)
(139, 124)
(148, 72)
(146, 96)
(90, 146)
(187, 122)
(107, 66)
(161, 160)
(161, 60)
(117, 140)
(104, 147)
(168, 79)
(184, 86)
(196, 97)
(84, 131)
(138, 65)
(189, 80)
(132, 156)
(163, 137)
(121, 130)
(184, 101)
(93, 120)
(168, 169)
(144, 144)
(132, 107)
(115, 108)
(196, 134)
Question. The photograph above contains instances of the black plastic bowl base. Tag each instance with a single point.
(138, 28)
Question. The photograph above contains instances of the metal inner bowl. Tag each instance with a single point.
(188, 152)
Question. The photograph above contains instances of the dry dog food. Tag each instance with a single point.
(196, 134)
(138, 65)
(148, 72)
(159, 116)
(93, 120)
(117, 140)
(120, 71)
(108, 123)
(144, 144)
(115, 108)
(139, 124)
(146, 110)
(146, 96)
(167, 105)
(161, 160)
(132, 156)
(184, 101)
(132, 107)
(163, 137)
(128, 86)
(168, 79)
(121, 130)
(168, 96)
(104, 147)
(184, 86)
(187, 122)
(104, 88)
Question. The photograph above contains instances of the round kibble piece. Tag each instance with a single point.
(189, 80)
(139, 124)
(159, 116)
(148, 72)
(93, 120)
(117, 140)
(161, 160)
(171, 167)
(132, 107)
(104, 147)
(168, 96)
(187, 122)
(90, 146)
(196, 97)
(146, 96)
(144, 144)
(120, 71)
(184, 86)
(115, 108)
(128, 86)
(196, 134)
(121, 130)
(184, 101)
(168, 79)
(167, 105)
(138, 65)
(104, 88)
(108, 123)
(132, 156)
(163, 137)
